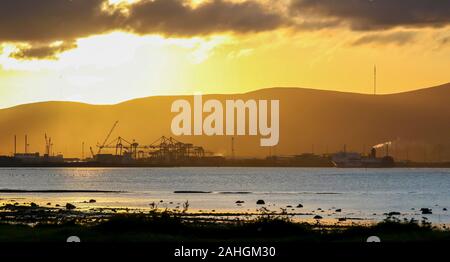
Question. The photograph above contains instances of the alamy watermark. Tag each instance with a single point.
(229, 120)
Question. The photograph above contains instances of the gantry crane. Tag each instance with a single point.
(101, 146)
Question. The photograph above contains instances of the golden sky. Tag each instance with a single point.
(100, 51)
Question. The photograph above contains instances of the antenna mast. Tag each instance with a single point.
(375, 79)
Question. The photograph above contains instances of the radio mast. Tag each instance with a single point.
(375, 80)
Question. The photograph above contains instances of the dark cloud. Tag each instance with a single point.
(39, 23)
(43, 51)
(45, 21)
(53, 20)
(398, 38)
(378, 14)
(174, 17)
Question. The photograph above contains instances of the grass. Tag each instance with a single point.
(169, 226)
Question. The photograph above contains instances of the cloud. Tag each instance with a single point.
(175, 17)
(398, 38)
(37, 51)
(378, 14)
(34, 26)
(53, 20)
(40, 23)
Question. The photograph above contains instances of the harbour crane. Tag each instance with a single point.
(48, 145)
(100, 147)
(121, 145)
(92, 152)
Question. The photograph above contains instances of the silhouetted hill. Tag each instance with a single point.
(417, 122)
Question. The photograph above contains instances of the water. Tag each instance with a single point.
(360, 193)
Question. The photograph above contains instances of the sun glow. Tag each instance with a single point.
(99, 68)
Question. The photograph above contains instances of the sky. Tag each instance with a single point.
(108, 51)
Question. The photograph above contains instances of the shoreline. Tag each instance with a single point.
(230, 206)
(242, 164)
(32, 213)
(43, 224)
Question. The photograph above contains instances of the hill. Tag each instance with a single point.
(416, 122)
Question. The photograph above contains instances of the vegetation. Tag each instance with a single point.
(175, 226)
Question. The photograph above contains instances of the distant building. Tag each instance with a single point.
(35, 158)
(28, 157)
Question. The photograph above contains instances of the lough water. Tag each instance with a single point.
(360, 193)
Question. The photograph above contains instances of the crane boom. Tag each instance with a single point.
(107, 137)
(92, 152)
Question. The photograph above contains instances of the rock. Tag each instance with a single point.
(444, 209)
(33, 205)
(49, 204)
(342, 219)
(289, 206)
(70, 206)
(426, 211)
(57, 205)
(319, 209)
(260, 202)
(318, 217)
(240, 202)
(394, 214)
(92, 201)
(338, 210)
(299, 206)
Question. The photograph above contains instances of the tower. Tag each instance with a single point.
(375, 79)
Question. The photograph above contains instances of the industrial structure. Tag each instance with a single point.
(163, 150)
(354, 159)
(168, 151)
(35, 157)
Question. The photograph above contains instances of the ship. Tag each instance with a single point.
(353, 159)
